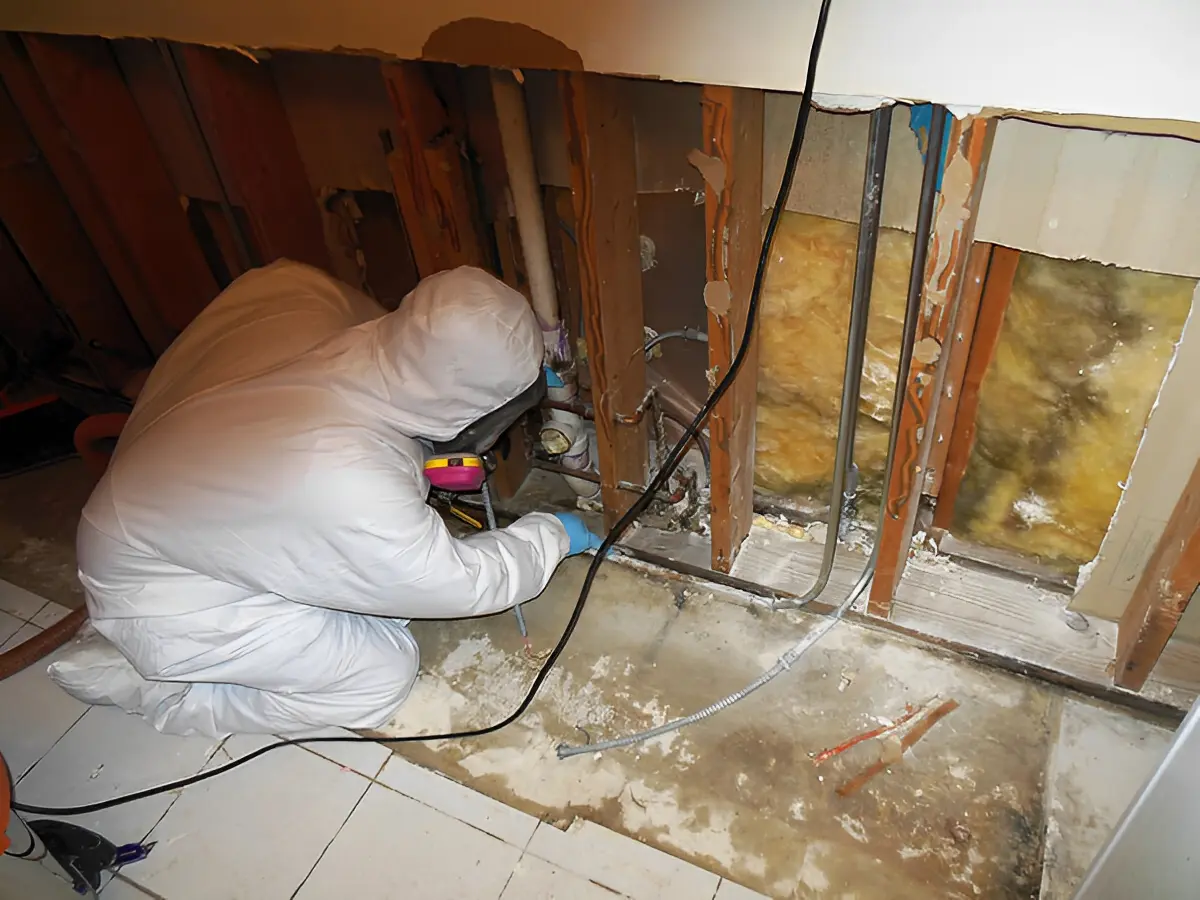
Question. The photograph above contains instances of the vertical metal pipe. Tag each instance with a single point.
(856, 338)
(921, 241)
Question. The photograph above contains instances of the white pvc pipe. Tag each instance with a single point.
(513, 118)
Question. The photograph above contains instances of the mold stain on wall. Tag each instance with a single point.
(1083, 351)
(805, 316)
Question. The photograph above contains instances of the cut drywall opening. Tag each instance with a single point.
(1082, 353)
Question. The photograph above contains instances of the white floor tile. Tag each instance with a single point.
(9, 625)
(395, 847)
(49, 614)
(536, 879)
(108, 753)
(118, 889)
(18, 637)
(730, 891)
(253, 833)
(510, 825)
(19, 602)
(35, 713)
(367, 758)
(621, 863)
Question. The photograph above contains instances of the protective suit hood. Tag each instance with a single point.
(461, 345)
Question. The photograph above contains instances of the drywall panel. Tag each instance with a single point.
(337, 106)
(833, 160)
(1165, 459)
(1128, 199)
(1106, 57)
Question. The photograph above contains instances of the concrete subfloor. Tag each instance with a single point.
(1008, 796)
(961, 815)
(39, 512)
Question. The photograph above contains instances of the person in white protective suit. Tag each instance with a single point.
(261, 536)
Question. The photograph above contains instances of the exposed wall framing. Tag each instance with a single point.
(429, 176)
(1167, 584)
(950, 242)
(600, 141)
(984, 300)
(731, 162)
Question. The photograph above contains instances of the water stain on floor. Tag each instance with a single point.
(960, 815)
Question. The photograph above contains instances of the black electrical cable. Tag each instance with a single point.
(639, 506)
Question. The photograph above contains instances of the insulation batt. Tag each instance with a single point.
(1082, 353)
(802, 334)
(261, 536)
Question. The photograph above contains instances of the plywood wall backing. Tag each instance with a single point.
(41, 223)
(952, 235)
(1167, 584)
(106, 127)
(89, 197)
(959, 345)
(27, 321)
(993, 303)
(247, 129)
(429, 175)
(600, 141)
(731, 160)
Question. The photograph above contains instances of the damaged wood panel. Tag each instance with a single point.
(27, 321)
(1168, 582)
(732, 170)
(951, 238)
(251, 139)
(110, 211)
(95, 104)
(429, 175)
(151, 82)
(995, 268)
(600, 141)
(40, 222)
(338, 107)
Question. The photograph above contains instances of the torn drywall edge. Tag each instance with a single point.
(867, 47)
(1094, 576)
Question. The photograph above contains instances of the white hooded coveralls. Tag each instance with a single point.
(262, 530)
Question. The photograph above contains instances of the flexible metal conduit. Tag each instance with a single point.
(856, 338)
(880, 122)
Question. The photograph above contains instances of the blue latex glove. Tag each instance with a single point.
(577, 532)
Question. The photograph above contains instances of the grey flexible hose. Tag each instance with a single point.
(788, 659)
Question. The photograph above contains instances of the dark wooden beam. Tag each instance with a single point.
(429, 173)
(40, 222)
(246, 127)
(1167, 584)
(953, 230)
(600, 144)
(731, 160)
(105, 128)
(993, 303)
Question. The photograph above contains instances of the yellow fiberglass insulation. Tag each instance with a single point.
(1082, 353)
(803, 321)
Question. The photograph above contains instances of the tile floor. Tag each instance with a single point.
(325, 821)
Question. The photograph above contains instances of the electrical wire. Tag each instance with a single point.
(872, 194)
(639, 506)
